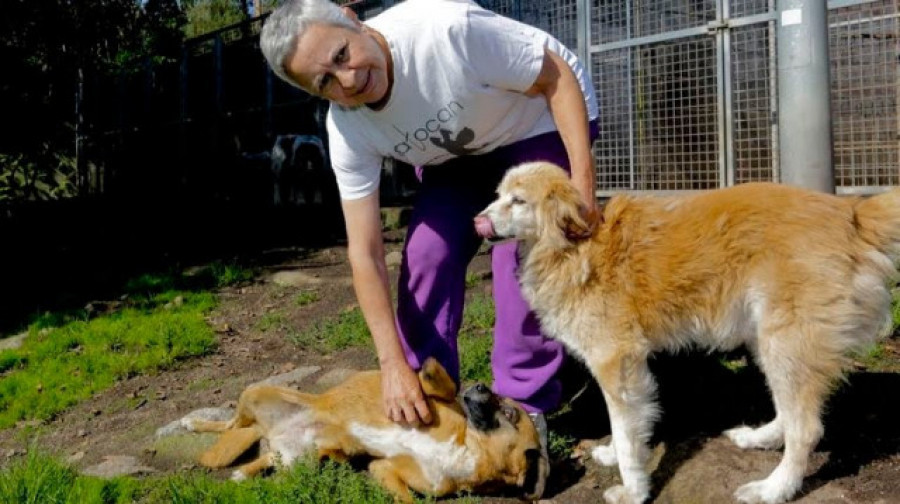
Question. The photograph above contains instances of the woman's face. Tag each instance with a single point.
(344, 66)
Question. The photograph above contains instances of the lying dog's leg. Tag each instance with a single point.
(230, 445)
(767, 437)
(629, 390)
(798, 390)
(253, 468)
(384, 472)
(436, 382)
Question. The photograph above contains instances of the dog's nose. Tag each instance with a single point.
(481, 388)
(483, 226)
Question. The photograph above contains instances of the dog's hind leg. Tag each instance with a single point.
(230, 445)
(253, 468)
(629, 390)
(799, 386)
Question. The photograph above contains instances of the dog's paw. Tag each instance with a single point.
(619, 495)
(238, 475)
(764, 492)
(605, 455)
(749, 438)
(188, 423)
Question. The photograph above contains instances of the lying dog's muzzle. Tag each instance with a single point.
(481, 407)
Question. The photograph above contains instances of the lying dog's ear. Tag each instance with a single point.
(436, 382)
(535, 478)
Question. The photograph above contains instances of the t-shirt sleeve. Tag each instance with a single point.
(356, 166)
(503, 52)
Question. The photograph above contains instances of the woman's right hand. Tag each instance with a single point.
(403, 399)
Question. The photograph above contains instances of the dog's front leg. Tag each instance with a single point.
(629, 390)
(387, 475)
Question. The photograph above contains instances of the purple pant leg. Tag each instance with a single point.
(440, 243)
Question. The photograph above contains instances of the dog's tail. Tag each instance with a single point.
(878, 222)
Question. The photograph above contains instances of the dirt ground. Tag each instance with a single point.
(857, 462)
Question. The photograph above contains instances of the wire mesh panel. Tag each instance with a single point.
(659, 102)
(753, 96)
(864, 47)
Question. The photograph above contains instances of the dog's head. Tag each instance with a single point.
(536, 201)
(506, 431)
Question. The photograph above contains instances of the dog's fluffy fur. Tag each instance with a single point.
(800, 278)
(494, 446)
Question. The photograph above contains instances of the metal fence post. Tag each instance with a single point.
(804, 95)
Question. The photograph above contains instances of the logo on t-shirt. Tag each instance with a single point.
(455, 146)
(436, 132)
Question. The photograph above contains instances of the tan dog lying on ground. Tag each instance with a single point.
(486, 445)
(798, 277)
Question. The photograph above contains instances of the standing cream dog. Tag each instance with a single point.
(800, 278)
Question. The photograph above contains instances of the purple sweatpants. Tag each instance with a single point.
(440, 243)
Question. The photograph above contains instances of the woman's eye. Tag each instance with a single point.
(341, 55)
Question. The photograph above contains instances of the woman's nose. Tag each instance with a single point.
(347, 78)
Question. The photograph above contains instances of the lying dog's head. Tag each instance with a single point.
(536, 201)
(508, 432)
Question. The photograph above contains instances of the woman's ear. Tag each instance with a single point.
(350, 13)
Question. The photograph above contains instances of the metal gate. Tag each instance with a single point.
(688, 93)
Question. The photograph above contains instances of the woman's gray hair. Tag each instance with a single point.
(288, 22)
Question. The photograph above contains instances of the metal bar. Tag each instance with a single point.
(651, 39)
(804, 95)
(867, 20)
(837, 4)
(726, 100)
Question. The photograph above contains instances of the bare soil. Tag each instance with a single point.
(857, 462)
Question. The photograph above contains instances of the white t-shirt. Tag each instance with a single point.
(459, 74)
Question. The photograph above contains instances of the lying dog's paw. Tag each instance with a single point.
(188, 423)
(238, 475)
(765, 491)
(619, 495)
(605, 455)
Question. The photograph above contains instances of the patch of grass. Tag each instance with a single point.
(306, 297)
(560, 446)
(347, 330)
(57, 367)
(269, 321)
(40, 479)
(476, 340)
(472, 279)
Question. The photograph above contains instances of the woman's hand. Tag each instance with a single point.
(403, 399)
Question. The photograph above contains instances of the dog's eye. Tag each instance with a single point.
(517, 200)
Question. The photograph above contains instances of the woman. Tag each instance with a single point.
(462, 94)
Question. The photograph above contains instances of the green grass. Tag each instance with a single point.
(306, 297)
(41, 479)
(476, 340)
(348, 329)
(68, 357)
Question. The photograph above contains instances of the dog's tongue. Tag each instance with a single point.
(484, 227)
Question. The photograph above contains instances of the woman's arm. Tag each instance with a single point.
(558, 84)
(402, 394)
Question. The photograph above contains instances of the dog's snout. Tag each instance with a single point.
(481, 388)
(483, 226)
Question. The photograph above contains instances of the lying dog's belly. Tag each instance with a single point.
(294, 436)
(438, 460)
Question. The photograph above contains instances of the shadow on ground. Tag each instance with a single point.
(700, 397)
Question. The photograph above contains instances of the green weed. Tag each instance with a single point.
(347, 330)
(476, 340)
(56, 368)
(270, 321)
(306, 297)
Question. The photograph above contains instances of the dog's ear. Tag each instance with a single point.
(436, 382)
(572, 216)
(534, 480)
